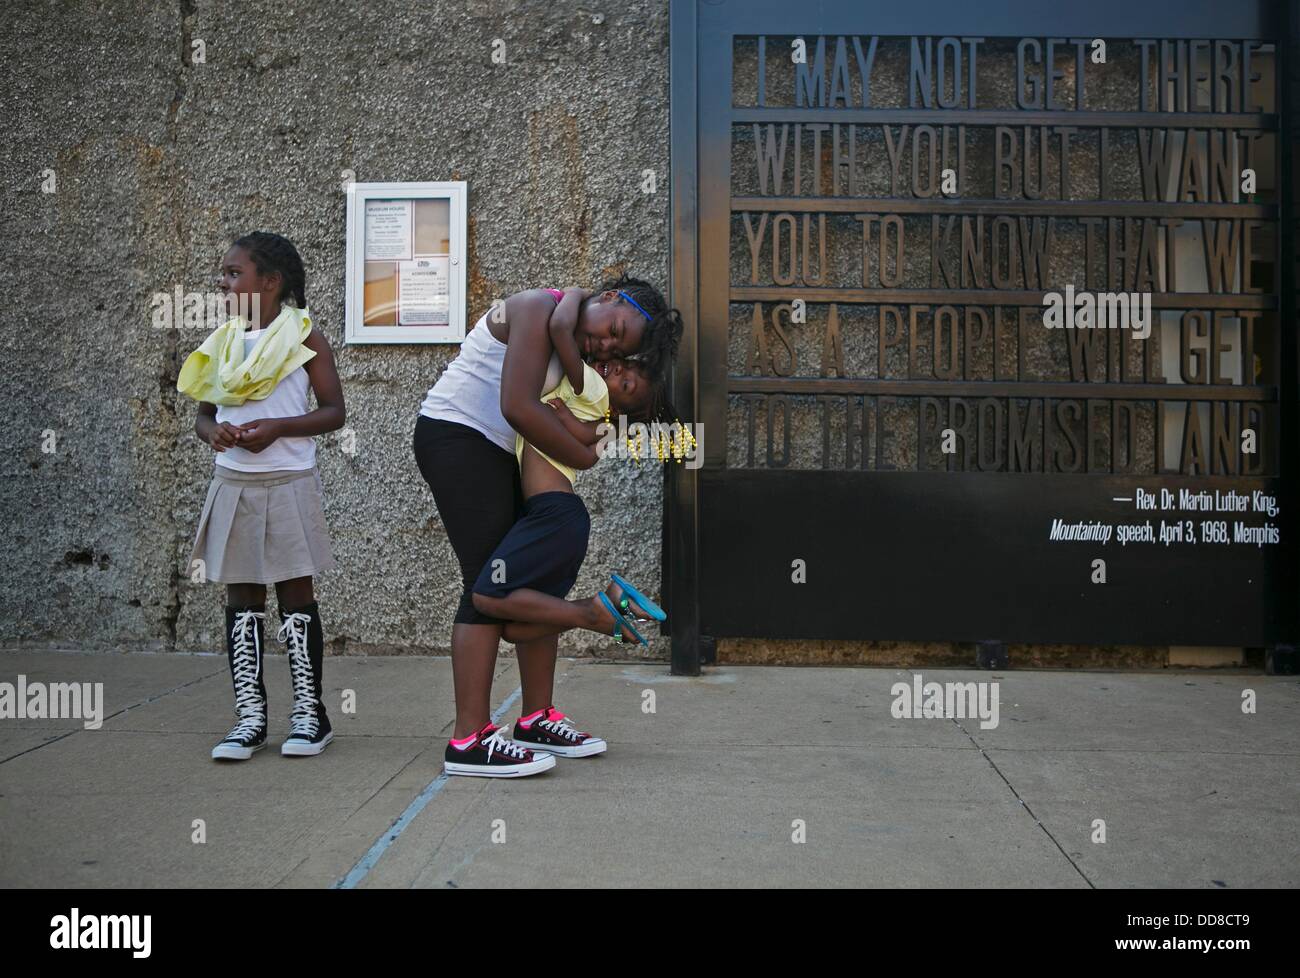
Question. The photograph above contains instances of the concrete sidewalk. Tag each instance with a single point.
(704, 791)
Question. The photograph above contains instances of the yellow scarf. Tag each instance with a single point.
(218, 372)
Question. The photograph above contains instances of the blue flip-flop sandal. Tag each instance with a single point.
(621, 620)
(652, 609)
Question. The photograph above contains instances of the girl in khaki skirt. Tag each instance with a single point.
(263, 522)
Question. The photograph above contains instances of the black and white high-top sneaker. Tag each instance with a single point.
(309, 726)
(244, 650)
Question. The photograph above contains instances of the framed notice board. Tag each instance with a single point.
(406, 263)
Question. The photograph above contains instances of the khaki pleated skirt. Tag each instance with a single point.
(262, 527)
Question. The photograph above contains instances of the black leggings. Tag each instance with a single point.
(479, 497)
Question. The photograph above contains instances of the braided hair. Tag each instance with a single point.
(663, 331)
(273, 253)
(658, 412)
(658, 408)
(655, 406)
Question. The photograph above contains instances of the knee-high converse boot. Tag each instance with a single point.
(309, 726)
(244, 650)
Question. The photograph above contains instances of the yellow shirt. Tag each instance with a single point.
(590, 405)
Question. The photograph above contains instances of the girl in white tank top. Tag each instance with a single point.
(263, 521)
(288, 400)
(464, 448)
(469, 390)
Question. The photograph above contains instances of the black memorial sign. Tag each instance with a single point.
(986, 324)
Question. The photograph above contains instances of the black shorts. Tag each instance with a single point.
(543, 551)
(476, 488)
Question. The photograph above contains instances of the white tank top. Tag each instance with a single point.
(469, 390)
(288, 400)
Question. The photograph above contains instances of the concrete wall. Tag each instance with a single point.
(160, 163)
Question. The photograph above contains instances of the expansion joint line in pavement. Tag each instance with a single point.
(1025, 804)
(126, 709)
(367, 862)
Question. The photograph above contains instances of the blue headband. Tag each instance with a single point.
(637, 304)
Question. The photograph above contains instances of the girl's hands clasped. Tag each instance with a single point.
(222, 436)
(257, 435)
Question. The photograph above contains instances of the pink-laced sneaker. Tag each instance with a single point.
(550, 731)
(487, 754)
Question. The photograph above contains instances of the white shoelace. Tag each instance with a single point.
(302, 721)
(561, 728)
(247, 663)
(500, 744)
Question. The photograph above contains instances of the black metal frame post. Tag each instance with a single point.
(680, 565)
(1282, 657)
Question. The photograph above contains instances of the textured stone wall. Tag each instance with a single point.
(159, 163)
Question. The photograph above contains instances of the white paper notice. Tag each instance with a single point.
(422, 290)
(388, 230)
